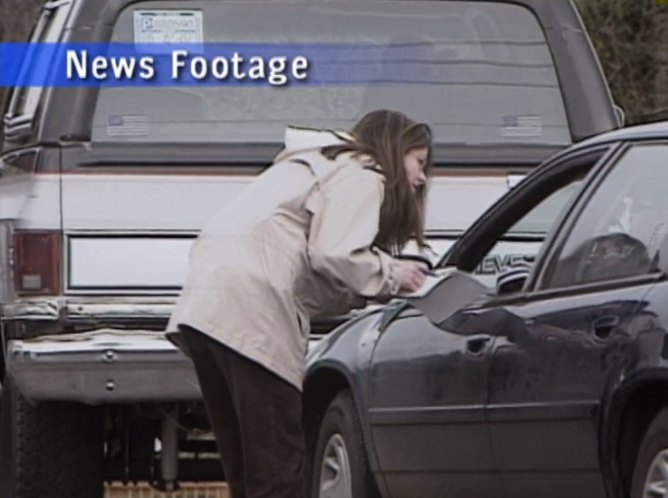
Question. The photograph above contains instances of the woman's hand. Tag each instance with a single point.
(411, 274)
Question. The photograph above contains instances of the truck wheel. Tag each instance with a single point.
(49, 449)
(650, 475)
(340, 467)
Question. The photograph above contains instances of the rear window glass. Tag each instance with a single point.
(478, 72)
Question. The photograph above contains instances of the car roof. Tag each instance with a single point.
(527, 3)
(658, 130)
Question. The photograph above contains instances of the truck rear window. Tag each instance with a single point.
(478, 72)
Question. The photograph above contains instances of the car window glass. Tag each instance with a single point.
(524, 239)
(623, 226)
(453, 55)
(24, 100)
(660, 261)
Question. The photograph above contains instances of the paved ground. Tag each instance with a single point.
(187, 491)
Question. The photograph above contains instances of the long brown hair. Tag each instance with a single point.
(387, 136)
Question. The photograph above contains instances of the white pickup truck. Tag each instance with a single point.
(102, 191)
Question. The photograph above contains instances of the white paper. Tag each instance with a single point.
(430, 282)
(447, 295)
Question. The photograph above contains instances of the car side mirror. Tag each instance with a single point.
(620, 115)
(513, 278)
(504, 286)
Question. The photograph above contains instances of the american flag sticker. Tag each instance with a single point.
(522, 126)
(127, 125)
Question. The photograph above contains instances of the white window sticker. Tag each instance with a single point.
(168, 26)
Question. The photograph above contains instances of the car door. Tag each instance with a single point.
(570, 335)
(426, 411)
(429, 384)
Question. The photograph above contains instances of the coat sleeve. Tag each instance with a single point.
(324, 297)
(344, 224)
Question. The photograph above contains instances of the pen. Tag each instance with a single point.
(428, 272)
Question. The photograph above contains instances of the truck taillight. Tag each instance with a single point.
(37, 262)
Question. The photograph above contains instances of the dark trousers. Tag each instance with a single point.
(256, 417)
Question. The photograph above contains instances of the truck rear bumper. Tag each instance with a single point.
(102, 366)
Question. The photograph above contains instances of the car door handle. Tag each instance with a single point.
(603, 326)
(478, 344)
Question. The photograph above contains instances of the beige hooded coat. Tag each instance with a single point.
(294, 244)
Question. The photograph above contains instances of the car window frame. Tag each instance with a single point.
(23, 104)
(553, 252)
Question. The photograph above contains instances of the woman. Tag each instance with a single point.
(313, 231)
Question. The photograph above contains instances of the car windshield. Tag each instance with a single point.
(478, 72)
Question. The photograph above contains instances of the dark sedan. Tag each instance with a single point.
(554, 387)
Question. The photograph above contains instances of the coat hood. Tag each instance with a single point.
(300, 140)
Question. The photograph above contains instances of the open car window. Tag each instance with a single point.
(522, 242)
(516, 228)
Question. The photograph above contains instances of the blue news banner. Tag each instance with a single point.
(130, 64)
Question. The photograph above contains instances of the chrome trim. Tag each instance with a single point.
(159, 309)
(6, 257)
(103, 308)
(32, 309)
(102, 366)
(82, 308)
